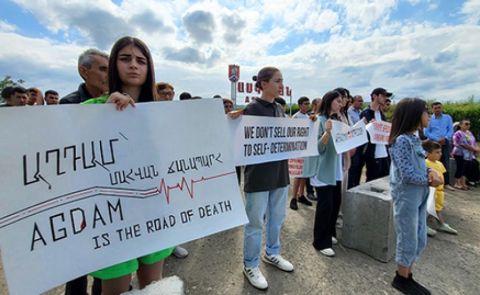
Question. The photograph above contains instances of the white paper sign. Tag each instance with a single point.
(84, 187)
(347, 137)
(258, 139)
(379, 132)
(431, 202)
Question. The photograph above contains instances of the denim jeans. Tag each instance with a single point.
(410, 217)
(263, 207)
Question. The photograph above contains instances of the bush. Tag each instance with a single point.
(470, 111)
(458, 110)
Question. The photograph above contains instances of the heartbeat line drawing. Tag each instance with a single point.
(72, 197)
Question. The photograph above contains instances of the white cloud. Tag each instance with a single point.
(6, 26)
(365, 49)
(306, 15)
(432, 6)
(471, 9)
(100, 21)
(414, 2)
(40, 62)
(362, 14)
(326, 20)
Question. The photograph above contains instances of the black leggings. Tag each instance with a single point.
(329, 199)
(460, 166)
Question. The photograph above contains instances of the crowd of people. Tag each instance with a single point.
(416, 157)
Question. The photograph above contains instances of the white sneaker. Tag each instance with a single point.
(328, 252)
(255, 277)
(334, 241)
(180, 252)
(278, 261)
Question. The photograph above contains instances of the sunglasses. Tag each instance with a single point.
(167, 93)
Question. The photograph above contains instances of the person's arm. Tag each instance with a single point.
(120, 100)
(456, 138)
(324, 135)
(459, 140)
(349, 116)
(402, 152)
(449, 134)
(366, 116)
(346, 162)
(235, 114)
(428, 131)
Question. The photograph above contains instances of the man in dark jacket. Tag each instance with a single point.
(93, 68)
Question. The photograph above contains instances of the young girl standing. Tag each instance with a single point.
(409, 181)
(131, 79)
(327, 174)
(266, 189)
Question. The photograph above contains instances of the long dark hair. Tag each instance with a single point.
(327, 100)
(407, 117)
(345, 93)
(264, 75)
(147, 92)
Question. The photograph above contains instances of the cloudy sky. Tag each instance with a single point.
(425, 48)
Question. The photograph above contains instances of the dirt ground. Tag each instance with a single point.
(449, 265)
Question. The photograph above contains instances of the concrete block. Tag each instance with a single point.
(368, 220)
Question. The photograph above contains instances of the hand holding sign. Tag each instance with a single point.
(328, 126)
(379, 132)
(347, 137)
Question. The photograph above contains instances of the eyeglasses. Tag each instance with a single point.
(167, 93)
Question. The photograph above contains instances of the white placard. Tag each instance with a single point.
(258, 139)
(85, 186)
(379, 132)
(295, 167)
(347, 137)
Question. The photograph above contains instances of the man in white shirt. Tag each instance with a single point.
(299, 181)
(375, 155)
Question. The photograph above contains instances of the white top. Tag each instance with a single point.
(300, 115)
(380, 149)
(338, 175)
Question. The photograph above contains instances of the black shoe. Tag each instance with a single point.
(406, 286)
(304, 200)
(420, 287)
(293, 204)
(311, 197)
